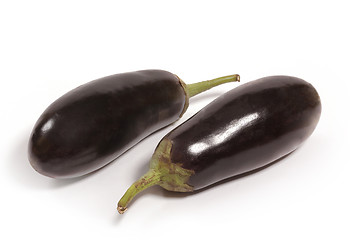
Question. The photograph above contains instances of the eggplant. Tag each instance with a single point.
(93, 124)
(240, 132)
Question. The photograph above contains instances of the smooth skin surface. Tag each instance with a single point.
(242, 131)
(93, 124)
(245, 129)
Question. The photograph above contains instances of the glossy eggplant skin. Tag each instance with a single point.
(93, 124)
(245, 129)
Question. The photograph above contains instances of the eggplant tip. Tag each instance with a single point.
(121, 210)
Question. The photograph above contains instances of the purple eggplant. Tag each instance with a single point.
(243, 130)
(93, 124)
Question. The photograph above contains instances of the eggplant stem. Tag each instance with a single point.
(149, 179)
(163, 172)
(196, 88)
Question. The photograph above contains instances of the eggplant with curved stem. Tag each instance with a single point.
(93, 124)
(240, 132)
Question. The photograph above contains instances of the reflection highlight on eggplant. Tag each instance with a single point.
(234, 127)
(47, 126)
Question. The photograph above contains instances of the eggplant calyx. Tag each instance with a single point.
(187, 97)
(173, 176)
(162, 172)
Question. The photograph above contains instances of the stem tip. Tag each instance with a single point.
(121, 210)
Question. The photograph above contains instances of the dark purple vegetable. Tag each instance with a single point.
(243, 130)
(90, 126)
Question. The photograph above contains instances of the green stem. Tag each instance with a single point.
(149, 179)
(196, 88)
(163, 172)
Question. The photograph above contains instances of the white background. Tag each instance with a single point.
(47, 48)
